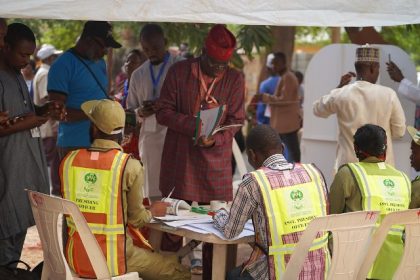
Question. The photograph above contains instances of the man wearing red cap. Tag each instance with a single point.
(200, 170)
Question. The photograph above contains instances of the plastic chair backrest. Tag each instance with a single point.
(409, 267)
(46, 211)
(351, 234)
(240, 163)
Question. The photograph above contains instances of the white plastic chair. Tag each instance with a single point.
(237, 154)
(409, 267)
(46, 211)
(351, 234)
(240, 164)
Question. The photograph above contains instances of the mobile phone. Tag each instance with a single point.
(14, 119)
(19, 116)
(43, 110)
(148, 103)
(130, 118)
(389, 58)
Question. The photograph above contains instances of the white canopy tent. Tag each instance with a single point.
(252, 12)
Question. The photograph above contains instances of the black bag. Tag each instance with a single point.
(14, 273)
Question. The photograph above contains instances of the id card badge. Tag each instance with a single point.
(267, 112)
(150, 124)
(35, 132)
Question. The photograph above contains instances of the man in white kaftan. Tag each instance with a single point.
(406, 87)
(362, 102)
(145, 85)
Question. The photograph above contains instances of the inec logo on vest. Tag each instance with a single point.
(90, 180)
(390, 186)
(297, 197)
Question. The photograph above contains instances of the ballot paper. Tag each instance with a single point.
(180, 223)
(182, 215)
(208, 122)
(200, 223)
(208, 228)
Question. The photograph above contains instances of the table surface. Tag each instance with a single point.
(210, 238)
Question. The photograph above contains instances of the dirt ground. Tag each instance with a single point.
(32, 251)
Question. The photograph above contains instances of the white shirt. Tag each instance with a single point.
(358, 104)
(409, 90)
(40, 84)
(49, 129)
(152, 135)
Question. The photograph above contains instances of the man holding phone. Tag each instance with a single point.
(22, 162)
(145, 84)
(77, 76)
(406, 87)
(200, 169)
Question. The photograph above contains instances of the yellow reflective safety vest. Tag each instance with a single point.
(289, 209)
(93, 180)
(387, 190)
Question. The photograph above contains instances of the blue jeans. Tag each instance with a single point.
(235, 274)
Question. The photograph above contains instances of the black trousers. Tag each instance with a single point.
(292, 143)
(11, 248)
(235, 274)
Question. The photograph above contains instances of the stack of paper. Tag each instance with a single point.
(200, 223)
(208, 122)
(182, 215)
(181, 223)
(208, 228)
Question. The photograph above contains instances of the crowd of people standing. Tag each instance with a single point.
(73, 125)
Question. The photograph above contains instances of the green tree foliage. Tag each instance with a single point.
(406, 37)
(63, 34)
(60, 33)
(313, 35)
(251, 39)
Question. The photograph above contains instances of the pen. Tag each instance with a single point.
(202, 210)
(169, 196)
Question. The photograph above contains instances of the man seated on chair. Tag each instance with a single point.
(415, 163)
(373, 185)
(281, 198)
(106, 184)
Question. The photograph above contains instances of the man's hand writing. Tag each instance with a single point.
(158, 208)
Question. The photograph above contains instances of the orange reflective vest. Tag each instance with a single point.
(93, 180)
